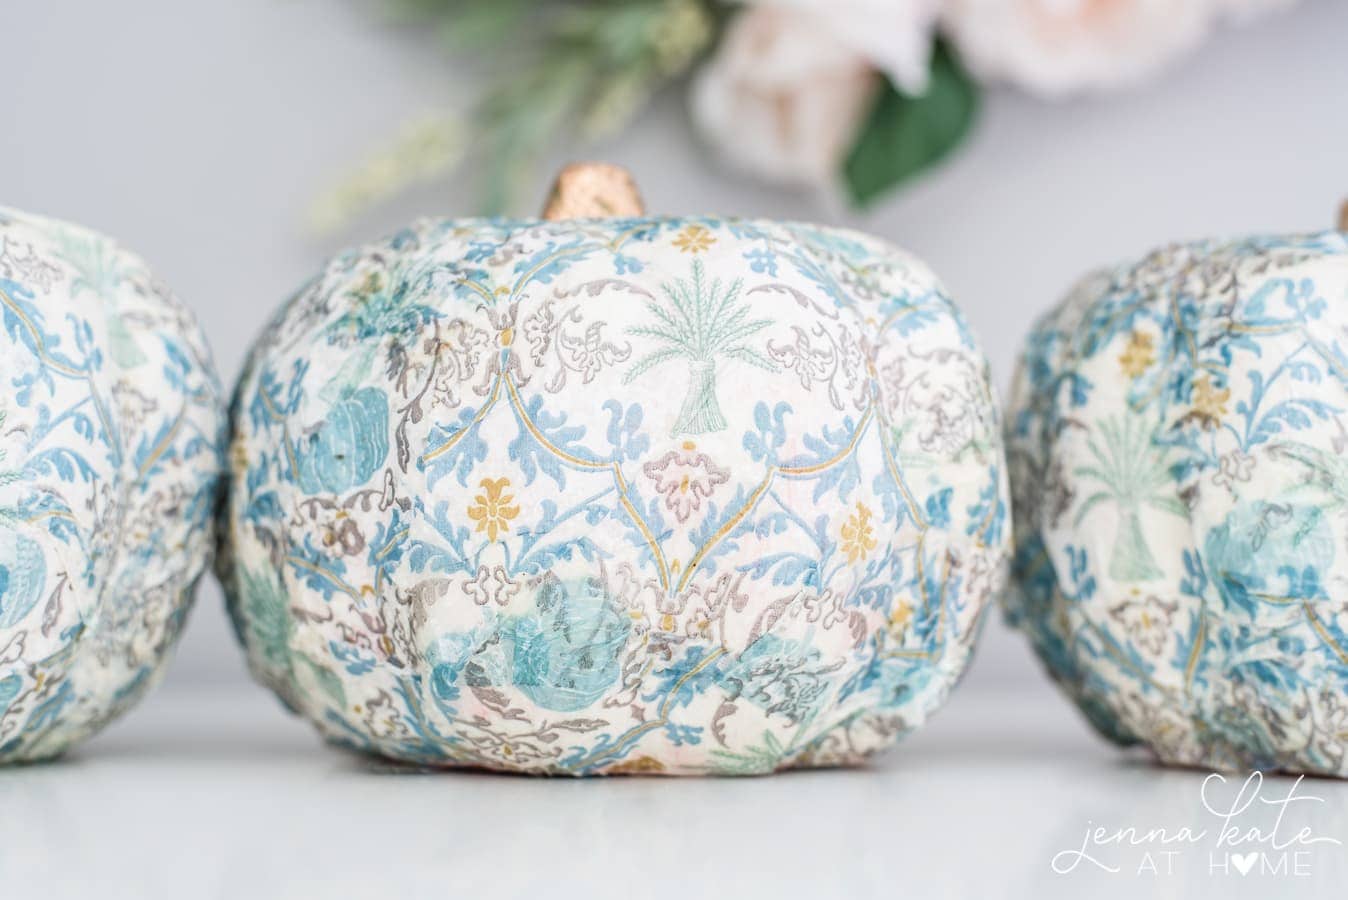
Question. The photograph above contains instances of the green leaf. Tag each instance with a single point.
(904, 135)
(1169, 504)
(651, 360)
(484, 24)
(752, 357)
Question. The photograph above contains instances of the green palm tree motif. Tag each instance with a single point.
(1133, 474)
(98, 268)
(700, 323)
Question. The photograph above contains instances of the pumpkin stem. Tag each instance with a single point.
(593, 190)
(1343, 216)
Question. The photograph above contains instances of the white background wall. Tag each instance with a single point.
(197, 133)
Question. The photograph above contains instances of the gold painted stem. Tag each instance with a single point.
(593, 190)
(1343, 216)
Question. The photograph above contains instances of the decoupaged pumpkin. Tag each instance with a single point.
(1177, 437)
(625, 494)
(111, 453)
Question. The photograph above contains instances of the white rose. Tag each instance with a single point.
(1059, 47)
(783, 97)
(895, 36)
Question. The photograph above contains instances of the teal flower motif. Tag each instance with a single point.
(563, 655)
(349, 446)
(23, 573)
(448, 656)
(1267, 559)
(786, 677)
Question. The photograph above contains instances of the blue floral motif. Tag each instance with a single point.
(630, 495)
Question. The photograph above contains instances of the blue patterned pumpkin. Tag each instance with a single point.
(1177, 440)
(111, 454)
(660, 495)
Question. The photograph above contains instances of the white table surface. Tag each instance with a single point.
(221, 794)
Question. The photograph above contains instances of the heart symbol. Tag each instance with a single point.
(1244, 863)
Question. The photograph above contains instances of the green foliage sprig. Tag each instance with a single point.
(569, 68)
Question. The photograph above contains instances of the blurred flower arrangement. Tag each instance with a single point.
(865, 93)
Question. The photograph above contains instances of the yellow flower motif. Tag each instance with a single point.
(900, 618)
(492, 511)
(694, 239)
(1209, 402)
(373, 284)
(857, 536)
(1138, 355)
